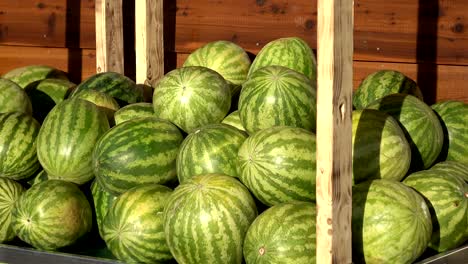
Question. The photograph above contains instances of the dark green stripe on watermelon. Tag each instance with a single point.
(123, 89)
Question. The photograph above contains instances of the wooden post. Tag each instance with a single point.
(149, 41)
(109, 36)
(334, 108)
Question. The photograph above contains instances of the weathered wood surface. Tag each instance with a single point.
(398, 30)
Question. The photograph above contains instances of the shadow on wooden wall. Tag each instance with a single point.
(170, 57)
(72, 40)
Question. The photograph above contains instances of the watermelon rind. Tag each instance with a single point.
(10, 191)
(13, 98)
(23, 76)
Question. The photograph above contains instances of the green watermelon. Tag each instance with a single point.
(13, 98)
(103, 101)
(278, 165)
(380, 149)
(67, 138)
(26, 75)
(391, 223)
(139, 151)
(210, 149)
(45, 94)
(421, 126)
(10, 191)
(103, 200)
(18, 137)
(277, 96)
(446, 195)
(133, 227)
(206, 219)
(453, 167)
(51, 215)
(191, 97)
(453, 115)
(382, 83)
(40, 177)
(132, 111)
(121, 88)
(224, 57)
(284, 233)
(292, 52)
(233, 119)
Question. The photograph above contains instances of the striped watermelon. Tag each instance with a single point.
(45, 94)
(421, 126)
(191, 97)
(132, 111)
(277, 96)
(13, 98)
(51, 215)
(18, 138)
(40, 177)
(133, 227)
(446, 195)
(278, 165)
(67, 138)
(10, 191)
(233, 119)
(102, 200)
(210, 149)
(453, 167)
(224, 57)
(292, 52)
(139, 151)
(123, 89)
(284, 233)
(453, 116)
(380, 149)
(206, 219)
(26, 75)
(103, 101)
(391, 223)
(382, 83)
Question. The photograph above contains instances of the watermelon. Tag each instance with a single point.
(278, 165)
(421, 126)
(139, 151)
(453, 115)
(40, 177)
(453, 167)
(210, 149)
(103, 101)
(67, 138)
(13, 98)
(206, 219)
(380, 149)
(233, 119)
(382, 83)
(446, 195)
(26, 75)
(224, 57)
(102, 200)
(51, 215)
(191, 97)
(132, 111)
(10, 191)
(18, 155)
(284, 233)
(391, 223)
(133, 227)
(291, 52)
(121, 88)
(277, 96)
(45, 94)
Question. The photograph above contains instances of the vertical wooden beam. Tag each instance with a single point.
(334, 147)
(109, 36)
(149, 41)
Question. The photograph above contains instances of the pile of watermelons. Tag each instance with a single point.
(219, 165)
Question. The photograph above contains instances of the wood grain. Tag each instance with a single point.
(395, 31)
(109, 36)
(149, 41)
(334, 136)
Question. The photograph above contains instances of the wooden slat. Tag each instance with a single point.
(384, 30)
(149, 41)
(334, 144)
(109, 36)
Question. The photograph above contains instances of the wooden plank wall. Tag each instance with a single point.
(425, 39)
